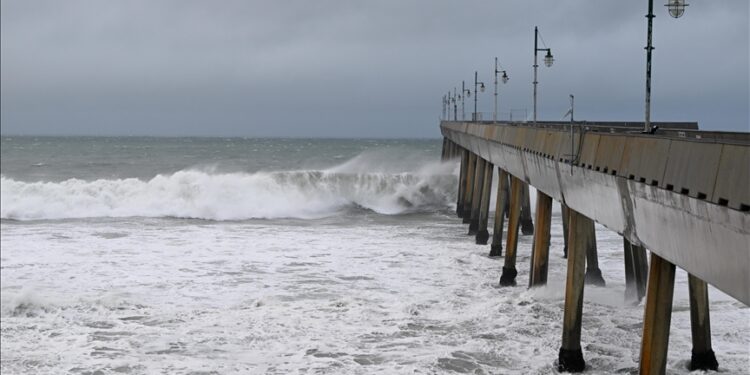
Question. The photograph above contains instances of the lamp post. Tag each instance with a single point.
(476, 94)
(505, 79)
(676, 9)
(464, 93)
(455, 105)
(548, 60)
(451, 99)
(444, 107)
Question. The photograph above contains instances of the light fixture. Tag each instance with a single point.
(676, 7)
(548, 59)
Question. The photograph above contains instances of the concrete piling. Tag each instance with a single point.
(593, 273)
(636, 271)
(464, 154)
(570, 357)
(527, 227)
(657, 316)
(703, 357)
(565, 213)
(484, 207)
(476, 199)
(444, 152)
(508, 277)
(540, 250)
(496, 249)
(469, 187)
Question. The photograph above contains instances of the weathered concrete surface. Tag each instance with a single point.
(639, 185)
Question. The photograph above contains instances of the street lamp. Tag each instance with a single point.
(445, 103)
(455, 105)
(465, 93)
(451, 99)
(505, 80)
(676, 8)
(548, 60)
(476, 94)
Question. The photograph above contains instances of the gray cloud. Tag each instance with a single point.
(346, 68)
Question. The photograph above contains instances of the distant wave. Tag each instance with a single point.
(235, 196)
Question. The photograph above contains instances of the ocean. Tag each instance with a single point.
(130, 255)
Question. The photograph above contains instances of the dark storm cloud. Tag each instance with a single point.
(354, 68)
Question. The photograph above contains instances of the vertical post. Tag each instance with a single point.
(540, 251)
(455, 106)
(469, 188)
(508, 278)
(649, 48)
(463, 96)
(494, 113)
(474, 117)
(536, 36)
(565, 213)
(484, 210)
(496, 249)
(476, 196)
(462, 182)
(636, 271)
(571, 357)
(444, 152)
(703, 357)
(631, 293)
(593, 273)
(657, 316)
(527, 227)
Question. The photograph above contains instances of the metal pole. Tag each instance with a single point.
(463, 96)
(455, 105)
(536, 36)
(572, 142)
(476, 92)
(494, 114)
(649, 47)
(442, 116)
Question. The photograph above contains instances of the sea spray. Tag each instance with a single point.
(209, 195)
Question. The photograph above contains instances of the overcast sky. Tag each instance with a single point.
(305, 68)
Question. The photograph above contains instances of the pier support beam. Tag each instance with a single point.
(462, 182)
(636, 271)
(593, 273)
(571, 357)
(476, 199)
(469, 187)
(484, 206)
(496, 249)
(657, 316)
(444, 152)
(703, 357)
(565, 213)
(540, 250)
(527, 227)
(508, 278)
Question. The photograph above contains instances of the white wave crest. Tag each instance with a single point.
(232, 196)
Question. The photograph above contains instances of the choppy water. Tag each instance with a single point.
(149, 255)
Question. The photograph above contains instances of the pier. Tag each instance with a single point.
(677, 192)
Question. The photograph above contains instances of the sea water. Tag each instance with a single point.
(276, 256)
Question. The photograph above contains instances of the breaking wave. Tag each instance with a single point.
(235, 196)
